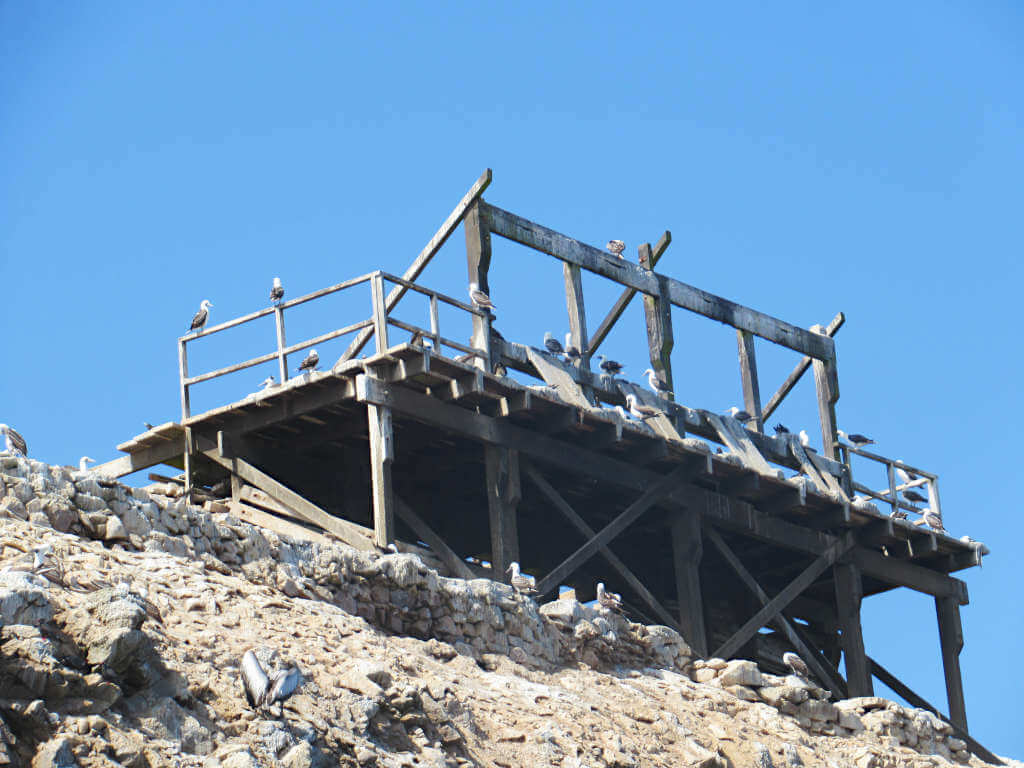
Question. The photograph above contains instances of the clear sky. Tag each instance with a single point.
(807, 157)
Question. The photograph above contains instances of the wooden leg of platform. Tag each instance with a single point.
(382, 454)
(503, 495)
(687, 551)
(478, 263)
(849, 593)
(189, 448)
(951, 638)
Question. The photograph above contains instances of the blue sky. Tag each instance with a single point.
(863, 157)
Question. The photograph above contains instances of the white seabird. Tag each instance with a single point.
(740, 415)
(932, 520)
(571, 351)
(611, 367)
(520, 581)
(796, 664)
(552, 345)
(277, 291)
(805, 439)
(857, 441)
(904, 475)
(640, 410)
(255, 682)
(311, 361)
(657, 384)
(616, 247)
(479, 298)
(200, 317)
(83, 463)
(609, 600)
(13, 441)
(268, 382)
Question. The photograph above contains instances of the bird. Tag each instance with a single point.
(905, 476)
(611, 367)
(255, 682)
(268, 382)
(147, 425)
(500, 370)
(858, 441)
(200, 317)
(571, 351)
(932, 520)
(311, 361)
(616, 247)
(640, 410)
(521, 582)
(13, 441)
(740, 415)
(609, 600)
(781, 429)
(552, 345)
(657, 384)
(277, 291)
(795, 664)
(899, 514)
(479, 298)
(282, 685)
(805, 439)
(914, 496)
(83, 463)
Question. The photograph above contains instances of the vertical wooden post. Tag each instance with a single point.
(435, 323)
(849, 594)
(503, 494)
(382, 455)
(933, 496)
(688, 549)
(825, 382)
(577, 312)
(951, 639)
(658, 313)
(892, 486)
(282, 364)
(478, 263)
(189, 450)
(748, 373)
(186, 406)
(380, 314)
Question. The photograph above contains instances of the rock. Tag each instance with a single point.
(850, 720)
(562, 611)
(705, 675)
(23, 599)
(353, 680)
(55, 753)
(762, 757)
(742, 692)
(11, 506)
(793, 759)
(823, 711)
(115, 530)
(741, 672)
(299, 756)
(242, 759)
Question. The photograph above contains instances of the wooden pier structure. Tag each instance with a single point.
(748, 544)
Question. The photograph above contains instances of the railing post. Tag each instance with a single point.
(478, 262)
(380, 314)
(892, 486)
(658, 314)
(933, 496)
(826, 383)
(748, 374)
(282, 364)
(186, 408)
(435, 323)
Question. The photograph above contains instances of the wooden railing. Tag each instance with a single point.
(890, 495)
(375, 326)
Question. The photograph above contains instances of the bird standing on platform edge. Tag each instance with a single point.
(552, 345)
(310, 363)
(657, 384)
(796, 665)
(640, 410)
(521, 582)
(571, 352)
(200, 317)
(610, 367)
(740, 415)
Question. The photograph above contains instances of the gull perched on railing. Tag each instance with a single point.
(479, 298)
(856, 440)
(268, 382)
(932, 520)
(904, 475)
(640, 410)
(200, 317)
(914, 496)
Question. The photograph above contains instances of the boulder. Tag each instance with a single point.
(23, 599)
(741, 672)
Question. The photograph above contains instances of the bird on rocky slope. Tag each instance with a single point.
(520, 581)
(796, 664)
(609, 600)
(13, 441)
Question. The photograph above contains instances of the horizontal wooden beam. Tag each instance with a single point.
(553, 243)
(142, 459)
(801, 368)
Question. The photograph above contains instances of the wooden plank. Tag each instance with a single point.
(455, 564)
(736, 437)
(380, 315)
(801, 368)
(556, 374)
(424, 257)
(661, 424)
(159, 453)
(525, 232)
(653, 494)
(951, 640)
(827, 389)
(503, 495)
(382, 454)
(810, 657)
(348, 532)
(774, 606)
(577, 311)
(687, 552)
(914, 700)
(748, 377)
(282, 358)
(849, 594)
(186, 407)
(580, 524)
(627, 295)
(658, 318)
(906, 574)
(258, 517)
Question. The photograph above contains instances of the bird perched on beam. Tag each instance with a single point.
(805, 439)
(611, 367)
(781, 429)
(479, 298)
(609, 600)
(657, 384)
(856, 440)
(311, 361)
(200, 317)
(616, 247)
(905, 476)
(740, 415)
(914, 496)
(13, 441)
(933, 520)
(83, 463)
(640, 410)
(796, 664)
(899, 514)
(553, 345)
(571, 351)
(521, 582)
(277, 290)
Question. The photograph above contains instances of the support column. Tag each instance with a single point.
(478, 263)
(382, 455)
(826, 383)
(849, 593)
(748, 375)
(658, 313)
(687, 550)
(951, 639)
(503, 494)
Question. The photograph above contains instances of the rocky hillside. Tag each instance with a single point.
(124, 615)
